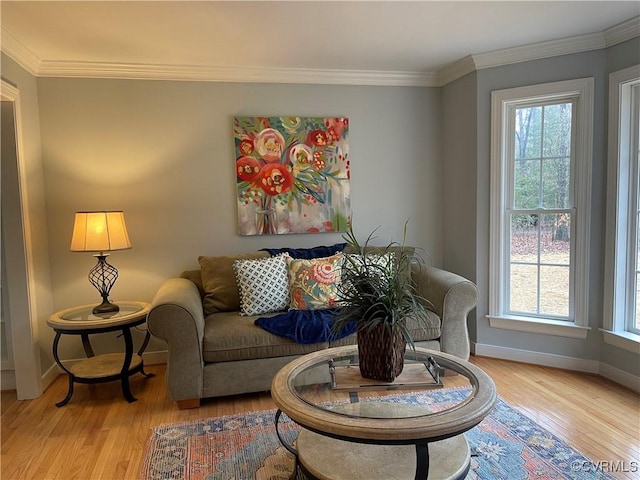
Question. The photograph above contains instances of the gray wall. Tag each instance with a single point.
(477, 88)
(34, 209)
(162, 151)
(590, 64)
(619, 57)
(460, 171)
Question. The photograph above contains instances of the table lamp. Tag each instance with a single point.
(101, 232)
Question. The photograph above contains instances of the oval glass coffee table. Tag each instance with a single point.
(357, 428)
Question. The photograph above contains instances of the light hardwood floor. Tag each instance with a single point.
(98, 435)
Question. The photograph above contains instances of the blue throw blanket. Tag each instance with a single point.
(308, 253)
(305, 326)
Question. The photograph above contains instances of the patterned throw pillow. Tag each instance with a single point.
(263, 285)
(314, 282)
(373, 264)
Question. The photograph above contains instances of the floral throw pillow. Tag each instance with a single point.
(314, 282)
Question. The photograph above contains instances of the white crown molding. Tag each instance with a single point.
(456, 70)
(235, 74)
(18, 52)
(622, 32)
(595, 41)
(524, 53)
(536, 51)
(565, 46)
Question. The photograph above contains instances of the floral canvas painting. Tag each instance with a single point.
(292, 174)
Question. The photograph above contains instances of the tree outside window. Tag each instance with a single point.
(541, 154)
(540, 217)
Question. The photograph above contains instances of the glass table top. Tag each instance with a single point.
(82, 317)
(335, 385)
(85, 314)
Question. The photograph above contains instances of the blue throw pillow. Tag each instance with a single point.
(307, 253)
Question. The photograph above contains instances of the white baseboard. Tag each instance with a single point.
(155, 358)
(620, 376)
(8, 379)
(50, 375)
(537, 358)
(546, 359)
(559, 361)
(150, 358)
(549, 360)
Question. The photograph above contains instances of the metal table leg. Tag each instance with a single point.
(147, 337)
(289, 448)
(422, 461)
(128, 356)
(66, 399)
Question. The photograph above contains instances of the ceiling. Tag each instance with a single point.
(415, 39)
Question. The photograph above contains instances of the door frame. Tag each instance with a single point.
(21, 314)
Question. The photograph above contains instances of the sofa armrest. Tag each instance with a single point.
(176, 316)
(452, 297)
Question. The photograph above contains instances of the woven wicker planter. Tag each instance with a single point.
(381, 357)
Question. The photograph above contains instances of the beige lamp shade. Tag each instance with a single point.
(99, 232)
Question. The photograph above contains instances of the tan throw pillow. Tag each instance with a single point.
(196, 278)
(219, 282)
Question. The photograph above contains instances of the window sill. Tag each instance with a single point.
(544, 327)
(624, 340)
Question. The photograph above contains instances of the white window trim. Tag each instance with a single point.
(614, 328)
(500, 100)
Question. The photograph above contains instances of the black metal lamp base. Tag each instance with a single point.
(106, 307)
(103, 276)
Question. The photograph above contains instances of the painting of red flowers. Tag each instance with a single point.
(292, 174)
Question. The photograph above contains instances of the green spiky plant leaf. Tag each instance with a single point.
(378, 289)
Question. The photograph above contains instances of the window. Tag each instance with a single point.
(622, 264)
(539, 212)
(540, 193)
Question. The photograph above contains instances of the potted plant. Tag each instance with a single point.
(377, 292)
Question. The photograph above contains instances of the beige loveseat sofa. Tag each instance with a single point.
(214, 351)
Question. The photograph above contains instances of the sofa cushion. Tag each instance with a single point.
(229, 337)
(263, 284)
(431, 331)
(314, 282)
(219, 283)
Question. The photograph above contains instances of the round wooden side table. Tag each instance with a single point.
(106, 367)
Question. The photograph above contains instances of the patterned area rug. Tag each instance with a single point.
(505, 445)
